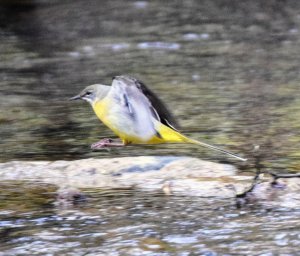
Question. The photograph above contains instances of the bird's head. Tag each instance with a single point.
(92, 93)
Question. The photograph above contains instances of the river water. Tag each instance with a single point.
(228, 71)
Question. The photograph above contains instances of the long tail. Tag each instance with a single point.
(213, 148)
(170, 135)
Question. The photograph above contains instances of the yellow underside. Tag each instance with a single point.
(167, 135)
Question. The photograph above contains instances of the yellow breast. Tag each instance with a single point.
(103, 111)
(115, 120)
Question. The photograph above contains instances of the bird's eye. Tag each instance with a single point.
(88, 93)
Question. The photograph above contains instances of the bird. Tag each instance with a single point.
(135, 114)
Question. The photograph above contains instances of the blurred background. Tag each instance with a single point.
(228, 72)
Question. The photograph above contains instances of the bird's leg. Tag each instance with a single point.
(106, 143)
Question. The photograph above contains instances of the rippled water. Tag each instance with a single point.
(229, 72)
(137, 223)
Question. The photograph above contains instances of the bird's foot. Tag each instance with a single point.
(105, 143)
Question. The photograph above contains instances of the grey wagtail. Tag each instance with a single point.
(134, 113)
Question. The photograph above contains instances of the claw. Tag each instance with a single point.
(105, 143)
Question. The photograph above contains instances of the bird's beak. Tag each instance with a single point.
(77, 97)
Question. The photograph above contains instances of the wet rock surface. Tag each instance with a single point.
(170, 175)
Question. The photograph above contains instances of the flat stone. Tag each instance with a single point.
(168, 174)
(183, 174)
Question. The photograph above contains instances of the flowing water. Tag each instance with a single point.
(229, 71)
(139, 223)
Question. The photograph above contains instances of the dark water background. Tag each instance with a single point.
(228, 70)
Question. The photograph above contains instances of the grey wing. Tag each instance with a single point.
(136, 106)
(157, 107)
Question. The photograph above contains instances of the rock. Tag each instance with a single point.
(186, 175)
(170, 175)
(69, 196)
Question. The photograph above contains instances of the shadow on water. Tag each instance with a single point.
(230, 73)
